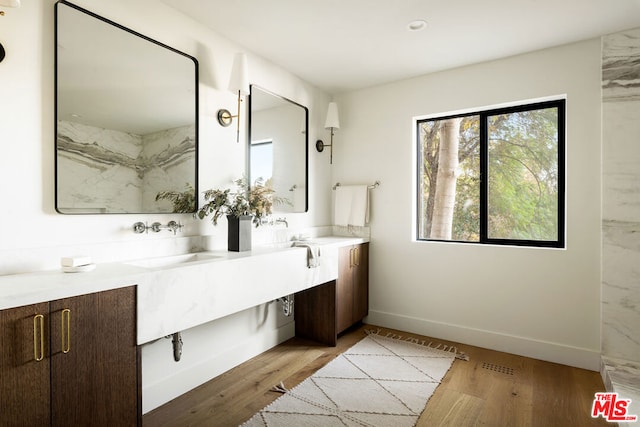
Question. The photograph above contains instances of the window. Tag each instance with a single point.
(494, 176)
(261, 155)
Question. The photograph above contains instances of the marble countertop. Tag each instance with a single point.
(31, 288)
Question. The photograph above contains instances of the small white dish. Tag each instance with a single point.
(79, 268)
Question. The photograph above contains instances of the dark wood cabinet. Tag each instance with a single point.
(79, 354)
(352, 285)
(24, 370)
(324, 311)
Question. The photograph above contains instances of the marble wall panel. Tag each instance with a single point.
(621, 196)
(621, 66)
(102, 170)
(171, 160)
(102, 161)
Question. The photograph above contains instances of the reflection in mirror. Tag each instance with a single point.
(126, 119)
(278, 147)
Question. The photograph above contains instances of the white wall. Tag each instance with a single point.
(537, 302)
(34, 236)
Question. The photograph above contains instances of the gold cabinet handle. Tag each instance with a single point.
(66, 330)
(38, 337)
(351, 263)
(356, 256)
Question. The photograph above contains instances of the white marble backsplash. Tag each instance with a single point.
(621, 213)
(27, 260)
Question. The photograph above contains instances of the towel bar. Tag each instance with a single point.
(370, 187)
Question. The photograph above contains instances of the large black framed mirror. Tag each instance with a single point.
(126, 119)
(278, 147)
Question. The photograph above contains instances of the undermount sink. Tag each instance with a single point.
(167, 261)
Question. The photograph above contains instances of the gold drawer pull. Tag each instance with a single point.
(38, 337)
(66, 330)
(356, 256)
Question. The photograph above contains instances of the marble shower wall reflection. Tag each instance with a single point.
(108, 171)
(621, 195)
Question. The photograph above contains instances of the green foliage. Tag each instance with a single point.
(257, 201)
(522, 173)
(183, 201)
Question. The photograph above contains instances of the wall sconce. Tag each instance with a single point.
(332, 122)
(9, 3)
(6, 3)
(239, 83)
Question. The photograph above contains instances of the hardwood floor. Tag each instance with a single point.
(491, 389)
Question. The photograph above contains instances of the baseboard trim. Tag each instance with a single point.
(161, 392)
(543, 350)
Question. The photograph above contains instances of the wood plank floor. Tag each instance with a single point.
(491, 389)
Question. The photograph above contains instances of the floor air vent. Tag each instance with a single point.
(498, 368)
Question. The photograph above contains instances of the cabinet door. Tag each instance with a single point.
(94, 360)
(344, 289)
(360, 277)
(315, 313)
(24, 366)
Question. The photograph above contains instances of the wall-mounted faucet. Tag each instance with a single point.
(282, 220)
(140, 227)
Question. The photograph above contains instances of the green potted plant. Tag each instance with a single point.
(241, 207)
(182, 201)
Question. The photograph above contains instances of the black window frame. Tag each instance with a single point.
(484, 239)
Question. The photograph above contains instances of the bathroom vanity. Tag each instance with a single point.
(72, 361)
(69, 343)
(324, 311)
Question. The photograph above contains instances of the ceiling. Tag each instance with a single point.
(344, 45)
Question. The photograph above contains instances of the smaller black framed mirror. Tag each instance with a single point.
(278, 147)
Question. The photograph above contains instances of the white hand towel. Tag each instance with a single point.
(359, 206)
(313, 253)
(342, 206)
(351, 205)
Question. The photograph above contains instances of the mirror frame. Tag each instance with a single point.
(196, 108)
(306, 142)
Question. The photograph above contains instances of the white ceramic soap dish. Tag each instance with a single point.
(79, 268)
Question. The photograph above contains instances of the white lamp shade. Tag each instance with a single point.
(10, 3)
(239, 75)
(333, 121)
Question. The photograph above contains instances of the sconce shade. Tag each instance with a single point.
(10, 3)
(239, 80)
(332, 122)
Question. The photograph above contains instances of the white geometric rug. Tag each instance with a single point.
(380, 381)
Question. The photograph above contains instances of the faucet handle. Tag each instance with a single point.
(139, 227)
(175, 226)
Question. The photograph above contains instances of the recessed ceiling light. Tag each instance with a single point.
(417, 25)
